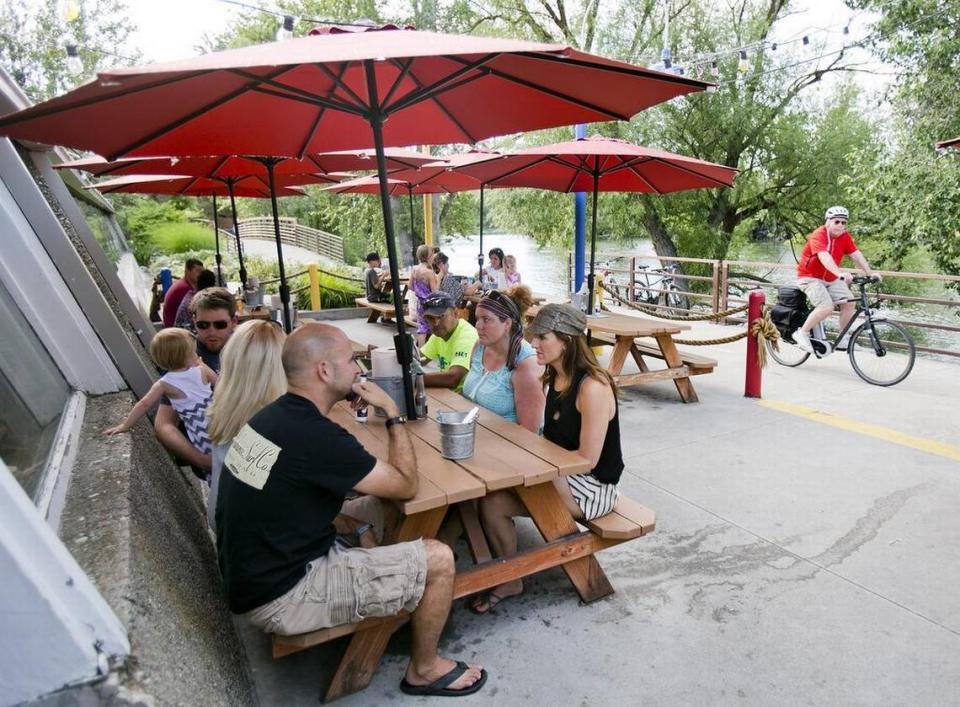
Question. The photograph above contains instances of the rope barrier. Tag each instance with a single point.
(652, 311)
(765, 330)
(342, 277)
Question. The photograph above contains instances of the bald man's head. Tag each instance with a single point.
(309, 345)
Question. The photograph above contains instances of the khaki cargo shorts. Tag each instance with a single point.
(821, 293)
(347, 586)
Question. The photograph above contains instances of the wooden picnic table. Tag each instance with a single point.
(506, 456)
(623, 330)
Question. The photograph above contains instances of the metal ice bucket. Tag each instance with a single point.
(456, 435)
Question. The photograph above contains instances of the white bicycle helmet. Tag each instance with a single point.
(836, 212)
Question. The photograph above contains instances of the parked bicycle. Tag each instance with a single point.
(652, 286)
(881, 352)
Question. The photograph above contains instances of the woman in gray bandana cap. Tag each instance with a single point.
(581, 415)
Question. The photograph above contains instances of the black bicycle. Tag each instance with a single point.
(881, 352)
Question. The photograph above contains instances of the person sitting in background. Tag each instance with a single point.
(510, 271)
(184, 318)
(581, 415)
(187, 385)
(451, 284)
(423, 281)
(451, 342)
(504, 376)
(251, 377)
(493, 277)
(177, 291)
(214, 317)
(375, 278)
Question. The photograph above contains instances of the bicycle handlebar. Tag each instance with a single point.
(865, 279)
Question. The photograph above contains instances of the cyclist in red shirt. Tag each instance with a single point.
(820, 277)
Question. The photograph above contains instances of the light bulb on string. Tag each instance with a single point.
(773, 47)
(806, 40)
(285, 31)
(714, 69)
(74, 65)
(69, 10)
(846, 29)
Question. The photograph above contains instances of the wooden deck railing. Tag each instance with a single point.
(724, 284)
(291, 233)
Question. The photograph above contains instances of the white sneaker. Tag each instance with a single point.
(803, 340)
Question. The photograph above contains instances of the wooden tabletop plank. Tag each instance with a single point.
(495, 462)
(429, 494)
(454, 481)
(623, 324)
(565, 462)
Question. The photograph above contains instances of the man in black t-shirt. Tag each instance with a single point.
(284, 481)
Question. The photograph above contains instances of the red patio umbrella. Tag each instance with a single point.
(230, 171)
(600, 164)
(176, 185)
(337, 91)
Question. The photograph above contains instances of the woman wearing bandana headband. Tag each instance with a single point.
(504, 376)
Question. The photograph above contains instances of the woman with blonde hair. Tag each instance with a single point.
(423, 282)
(251, 377)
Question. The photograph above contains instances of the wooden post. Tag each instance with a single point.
(314, 287)
(724, 286)
(632, 280)
(715, 287)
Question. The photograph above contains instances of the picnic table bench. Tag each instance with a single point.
(506, 456)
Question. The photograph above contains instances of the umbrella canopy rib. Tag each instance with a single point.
(405, 67)
(304, 146)
(613, 68)
(645, 180)
(338, 81)
(553, 93)
(447, 83)
(183, 120)
(445, 111)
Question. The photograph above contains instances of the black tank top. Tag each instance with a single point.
(562, 426)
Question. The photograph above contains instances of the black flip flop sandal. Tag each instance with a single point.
(438, 688)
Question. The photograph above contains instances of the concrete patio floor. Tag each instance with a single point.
(794, 561)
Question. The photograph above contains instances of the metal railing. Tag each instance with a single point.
(291, 233)
(704, 285)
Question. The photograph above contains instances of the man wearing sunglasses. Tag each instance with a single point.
(214, 318)
(820, 277)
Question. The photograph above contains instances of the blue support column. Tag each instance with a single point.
(580, 226)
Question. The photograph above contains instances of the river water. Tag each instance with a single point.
(545, 271)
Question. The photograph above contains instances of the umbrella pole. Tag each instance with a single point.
(284, 290)
(236, 233)
(401, 341)
(480, 257)
(593, 242)
(413, 239)
(216, 241)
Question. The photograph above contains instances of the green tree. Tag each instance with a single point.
(910, 201)
(35, 35)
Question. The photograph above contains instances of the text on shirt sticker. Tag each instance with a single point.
(251, 457)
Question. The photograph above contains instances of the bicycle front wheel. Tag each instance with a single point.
(789, 354)
(882, 353)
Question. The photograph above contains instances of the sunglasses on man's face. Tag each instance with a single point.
(839, 222)
(219, 324)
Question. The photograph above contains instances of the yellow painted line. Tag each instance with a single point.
(885, 433)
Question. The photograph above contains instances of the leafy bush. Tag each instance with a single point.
(334, 291)
(181, 237)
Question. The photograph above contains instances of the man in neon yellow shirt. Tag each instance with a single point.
(451, 342)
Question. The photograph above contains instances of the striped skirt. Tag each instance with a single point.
(594, 497)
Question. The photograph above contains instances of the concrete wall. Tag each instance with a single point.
(136, 524)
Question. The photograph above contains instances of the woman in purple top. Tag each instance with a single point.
(423, 281)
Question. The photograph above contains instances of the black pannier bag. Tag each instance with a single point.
(790, 311)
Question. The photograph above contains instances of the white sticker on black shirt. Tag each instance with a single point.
(251, 457)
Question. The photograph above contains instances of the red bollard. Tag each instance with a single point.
(751, 388)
